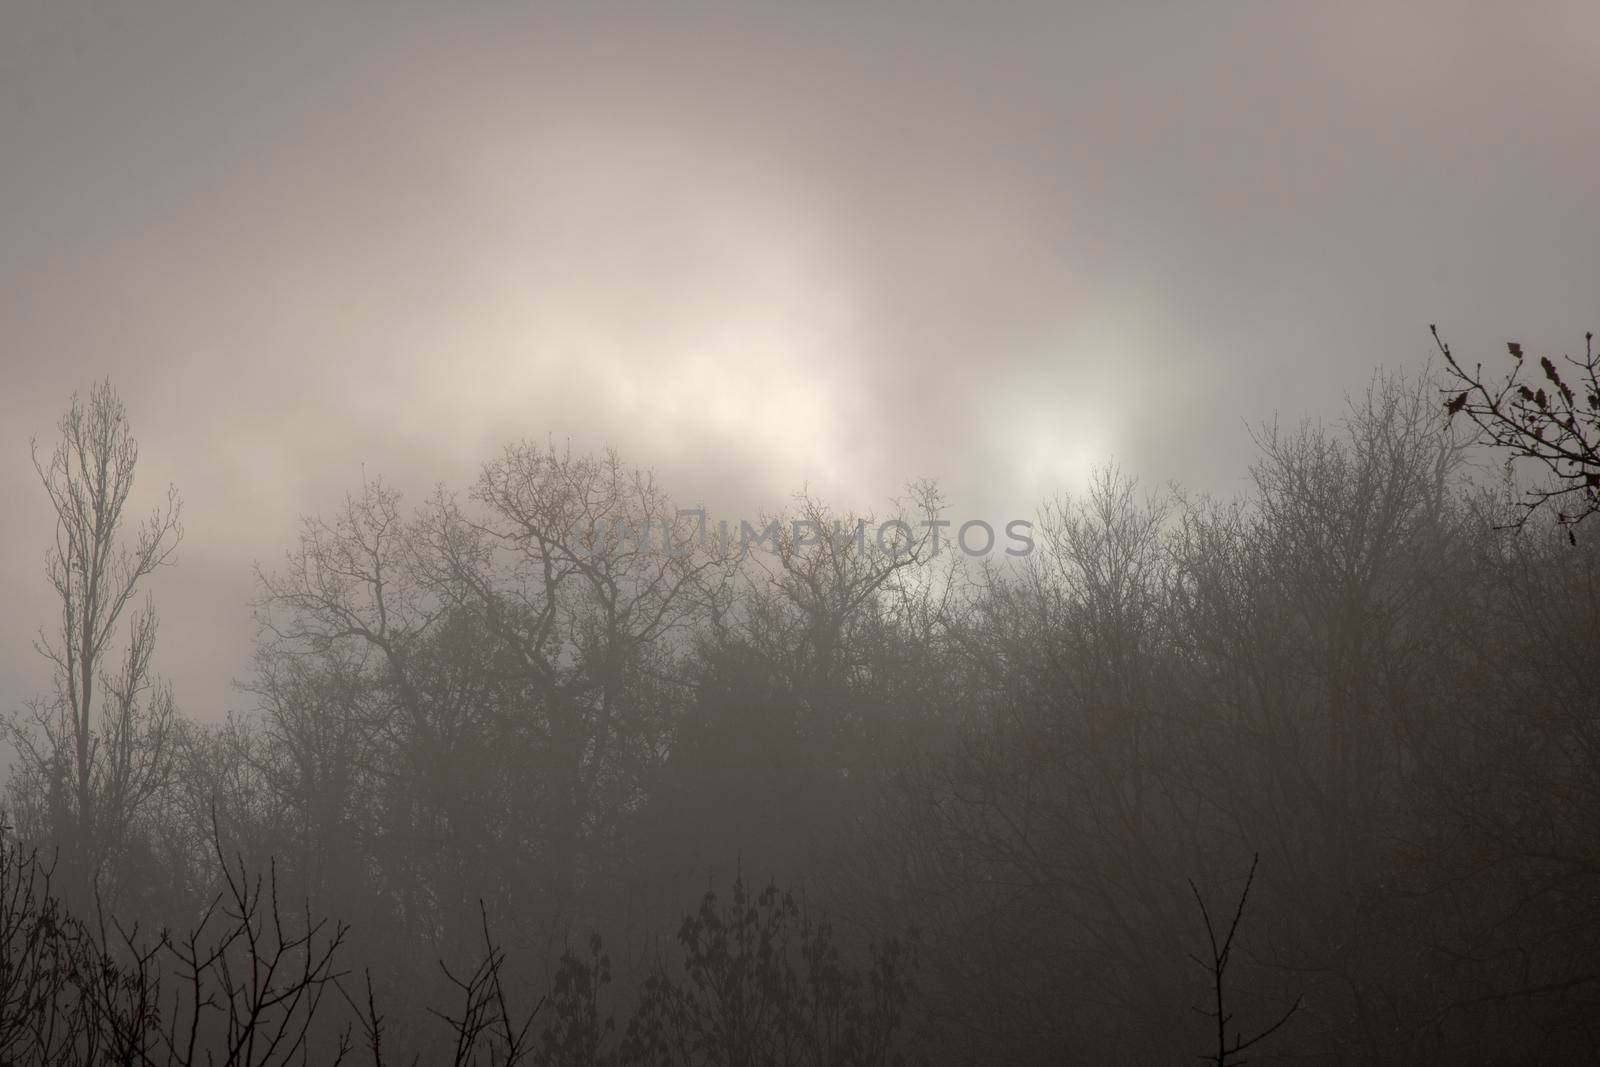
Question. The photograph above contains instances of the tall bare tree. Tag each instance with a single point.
(92, 754)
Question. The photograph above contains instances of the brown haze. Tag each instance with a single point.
(756, 246)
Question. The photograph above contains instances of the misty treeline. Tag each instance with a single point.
(1320, 763)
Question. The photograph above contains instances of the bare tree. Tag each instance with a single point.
(486, 1021)
(96, 764)
(1548, 422)
(1217, 965)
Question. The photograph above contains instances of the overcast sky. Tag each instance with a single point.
(751, 245)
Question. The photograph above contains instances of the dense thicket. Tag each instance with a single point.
(986, 787)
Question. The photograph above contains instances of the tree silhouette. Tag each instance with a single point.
(1221, 954)
(94, 753)
(1547, 421)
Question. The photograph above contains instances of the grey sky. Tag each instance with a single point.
(752, 245)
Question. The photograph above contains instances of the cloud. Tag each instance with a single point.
(753, 247)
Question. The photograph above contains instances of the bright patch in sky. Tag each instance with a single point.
(697, 312)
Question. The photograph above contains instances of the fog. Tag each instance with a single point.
(458, 331)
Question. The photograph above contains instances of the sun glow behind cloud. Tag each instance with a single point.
(1101, 365)
(631, 289)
